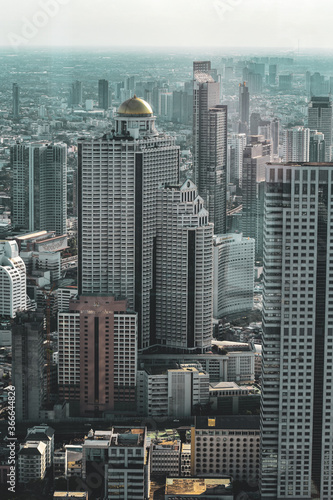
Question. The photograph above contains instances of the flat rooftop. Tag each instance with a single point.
(196, 486)
(232, 422)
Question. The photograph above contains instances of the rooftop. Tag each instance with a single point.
(196, 486)
(233, 422)
(135, 106)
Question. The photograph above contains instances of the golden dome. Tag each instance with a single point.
(135, 106)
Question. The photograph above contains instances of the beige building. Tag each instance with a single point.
(182, 488)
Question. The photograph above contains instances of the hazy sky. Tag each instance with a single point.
(180, 23)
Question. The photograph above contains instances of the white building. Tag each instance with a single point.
(45, 434)
(236, 145)
(31, 461)
(296, 144)
(184, 269)
(297, 389)
(234, 259)
(13, 296)
(172, 392)
(118, 176)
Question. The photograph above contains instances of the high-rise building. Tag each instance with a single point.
(272, 74)
(296, 144)
(297, 391)
(233, 274)
(28, 364)
(184, 269)
(202, 67)
(236, 145)
(244, 104)
(320, 118)
(39, 186)
(210, 147)
(16, 101)
(75, 94)
(103, 94)
(98, 341)
(317, 146)
(256, 154)
(13, 294)
(275, 135)
(118, 177)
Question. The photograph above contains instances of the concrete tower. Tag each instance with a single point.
(39, 186)
(296, 144)
(297, 390)
(118, 177)
(184, 269)
(103, 94)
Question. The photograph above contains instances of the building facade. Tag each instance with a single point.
(296, 408)
(118, 177)
(103, 94)
(320, 118)
(39, 186)
(184, 269)
(296, 145)
(13, 295)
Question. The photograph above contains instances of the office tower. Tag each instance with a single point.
(28, 364)
(13, 294)
(320, 118)
(210, 147)
(103, 94)
(201, 67)
(16, 101)
(39, 186)
(275, 135)
(296, 408)
(233, 258)
(255, 121)
(272, 74)
(98, 340)
(118, 176)
(296, 144)
(254, 83)
(184, 269)
(317, 146)
(182, 107)
(75, 95)
(256, 154)
(236, 145)
(285, 82)
(244, 103)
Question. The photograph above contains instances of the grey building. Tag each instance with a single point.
(297, 390)
(39, 186)
(28, 364)
(320, 118)
(103, 94)
(16, 101)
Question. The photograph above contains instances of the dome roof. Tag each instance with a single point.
(135, 106)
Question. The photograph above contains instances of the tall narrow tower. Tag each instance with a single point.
(210, 147)
(16, 100)
(103, 94)
(39, 186)
(184, 269)
(244, 104)
(320, 118)
(118, 177)
(297, 390)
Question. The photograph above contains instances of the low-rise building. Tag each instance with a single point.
(32, 459)
(70, 495)
(182, 488)
(226, 445)
(229, 398)
(185, 460)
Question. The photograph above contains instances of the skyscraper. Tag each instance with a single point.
(184, 269)
(16, 100)
(244, 104)
(210, 147)
(118, 177)
(296, 144)
(275, 134)
(39, 186)
(103, 94)
(296, 410)
(320, 118)
(75, 95)
(256, 154)
(236, 145)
